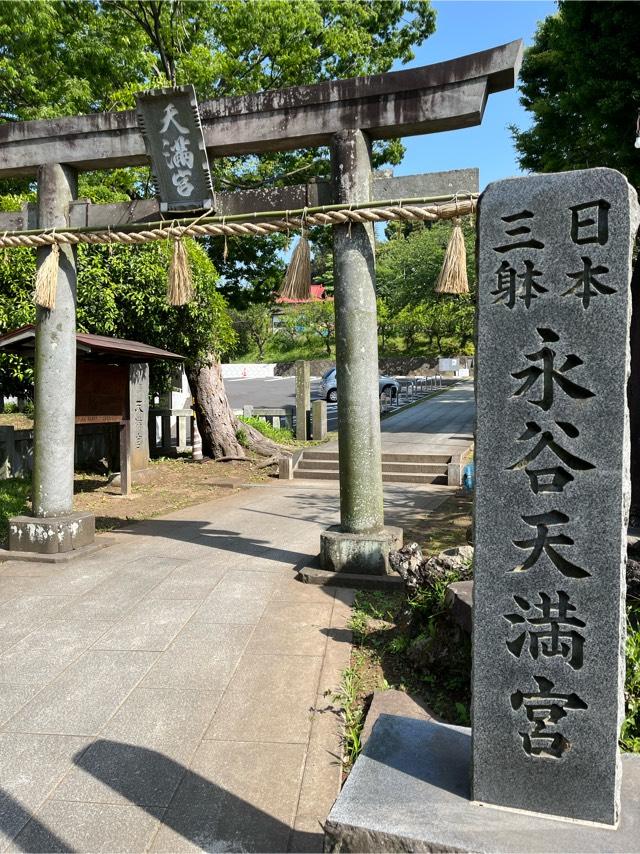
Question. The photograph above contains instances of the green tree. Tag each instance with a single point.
(288, 329)
(407, 323)
(61, 58)
(580, 80)
(122, 292)
(409, 263)
(254, 325)
(408, 266)
(318, 320)
(385, 320)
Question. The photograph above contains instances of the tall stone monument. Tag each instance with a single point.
(540, 768)
(552, 492)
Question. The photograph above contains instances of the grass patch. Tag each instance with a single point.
(280, 435)
(411, 644)
(14, 501)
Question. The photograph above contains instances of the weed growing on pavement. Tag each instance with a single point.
(348, 695)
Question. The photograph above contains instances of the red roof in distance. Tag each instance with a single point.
(318, 293)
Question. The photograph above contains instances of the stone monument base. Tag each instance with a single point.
(409, 791)
(52, 539)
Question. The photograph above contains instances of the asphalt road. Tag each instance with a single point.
(273, 391)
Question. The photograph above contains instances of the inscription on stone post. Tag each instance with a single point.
(552, 492)
(139, 415)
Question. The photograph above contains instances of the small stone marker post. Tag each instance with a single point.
(139, 415)
(303, 398)
(319, 420)
(552, 492)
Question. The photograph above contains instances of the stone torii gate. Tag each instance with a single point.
(344, 114)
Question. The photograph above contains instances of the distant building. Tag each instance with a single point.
(318, 292)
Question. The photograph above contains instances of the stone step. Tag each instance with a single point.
(386, 457)
(315, 474)
(416, 458)
(396, 477)
(416, 467)
(387, 477)
(320, 455)
(399, 468)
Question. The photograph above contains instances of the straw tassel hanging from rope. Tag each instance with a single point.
(180, 284)
(297, 281)
(47, 279)
(453, 276)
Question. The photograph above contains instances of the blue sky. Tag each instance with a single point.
(467, 26)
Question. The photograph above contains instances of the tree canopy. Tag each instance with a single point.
(122, 293)
(581, 81)
(63, 58)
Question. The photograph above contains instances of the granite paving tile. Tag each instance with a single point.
(228, 609)
(236, 797)
(11, 635)
(292, 590)
(321, 779)
(30, 766)
(270, 698)
(141, 755)
(112, 599)
(247, 584)
(120, 772)
(193, 581)
(83, 698)
(202, 658)
(32, 610)
(48, 650)
(154, 716)
(75, 579)
(13, 697)
(60, 826)
(292, 628)
(150, 625)
(153, 566)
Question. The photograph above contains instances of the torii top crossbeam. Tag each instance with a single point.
(444, 96)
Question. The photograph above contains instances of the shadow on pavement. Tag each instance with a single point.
(14, 817)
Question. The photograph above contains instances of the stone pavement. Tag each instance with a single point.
(439, 425)
(174, 691)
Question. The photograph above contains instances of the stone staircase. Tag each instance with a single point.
(396, 468)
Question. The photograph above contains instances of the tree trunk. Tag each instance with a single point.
(217, 424)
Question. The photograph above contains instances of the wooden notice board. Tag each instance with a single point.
(101, 393)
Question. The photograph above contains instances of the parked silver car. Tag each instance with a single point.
(329, 386)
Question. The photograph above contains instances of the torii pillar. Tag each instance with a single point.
(54, 531)
(360, 544)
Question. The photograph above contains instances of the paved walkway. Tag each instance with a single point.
(173, 692)
(441, 424)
